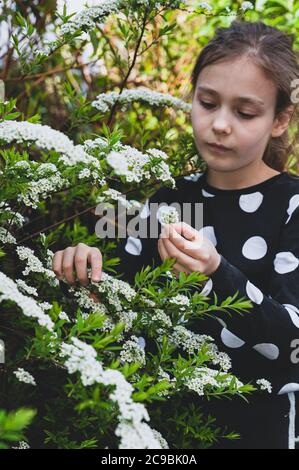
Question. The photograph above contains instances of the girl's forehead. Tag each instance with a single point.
(239, 80)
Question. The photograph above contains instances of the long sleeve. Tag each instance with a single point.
(271, 327)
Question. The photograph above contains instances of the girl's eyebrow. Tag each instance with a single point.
(244, 99)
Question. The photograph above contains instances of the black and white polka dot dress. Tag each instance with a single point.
(256, 231)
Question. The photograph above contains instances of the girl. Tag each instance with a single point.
(242, 105)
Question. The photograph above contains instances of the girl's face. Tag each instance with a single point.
(233, 105)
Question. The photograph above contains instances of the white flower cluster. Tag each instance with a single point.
(33, 264)
(105, 101)
(46, 138)
(205, 5)
(15, 217)
(264, 385)
(132, 352)
(203, 377)
(85, 301)
(87, 18)
(118, 196)
(64, 316)
(163, 320)
(6, 236)
(188, 340)
(29, 306)
(25, 288)
(24, 376)
(172, 4)
(168, 215)
(192, 342)
(162, 375)
(247, 6)
(127, 317)
(134, 433)
(40, 189)
(180, 299)
(137, 166)
(115, 290)
(22, 445)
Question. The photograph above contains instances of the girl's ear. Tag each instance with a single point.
(282, 120)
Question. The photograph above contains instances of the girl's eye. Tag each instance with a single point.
(246, 116)
(208, 105)
(205, 104)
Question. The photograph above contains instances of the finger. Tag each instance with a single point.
(57, 264)
(187, 231)
(163, 254)
(68, 264)
(198, 248)
(81, 263)
(96, 262)
(191, 248)
(183, 259)
(162, 251)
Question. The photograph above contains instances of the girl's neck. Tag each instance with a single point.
(240, 178)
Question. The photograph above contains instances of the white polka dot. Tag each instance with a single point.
(251, 202)
(208, 232)
(141, 342)
(293, 204)
(230, 340)
(254, 293)
(222, 322)
(145, 210)
(291, 387)
(254, 248)
(206, 194)
(285, 262)
(269, 350)
(294, 313)
(207, 288)
(133, 246)
(194, 177)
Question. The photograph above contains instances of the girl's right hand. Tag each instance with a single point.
(73, 261)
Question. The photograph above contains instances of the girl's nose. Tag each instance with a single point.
(221, 122)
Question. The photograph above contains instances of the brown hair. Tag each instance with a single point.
(272, 50)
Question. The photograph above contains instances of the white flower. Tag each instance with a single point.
(28, 305)
(118, 162)
(205, 5)
(33, 263)
(203, 377)
(22, 445)
(247, 6)
(264, 385)
(168, 215)
(6, 236)
(25, 288)
(64, 316)
(24, 376)
(46, 138)
(132, 351)
(105, 101)
(133, 432)
(87, 18)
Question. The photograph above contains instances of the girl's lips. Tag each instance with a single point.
(218, 149)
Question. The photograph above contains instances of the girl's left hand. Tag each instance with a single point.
(197, 253)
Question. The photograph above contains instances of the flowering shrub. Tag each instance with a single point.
(77, 373)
